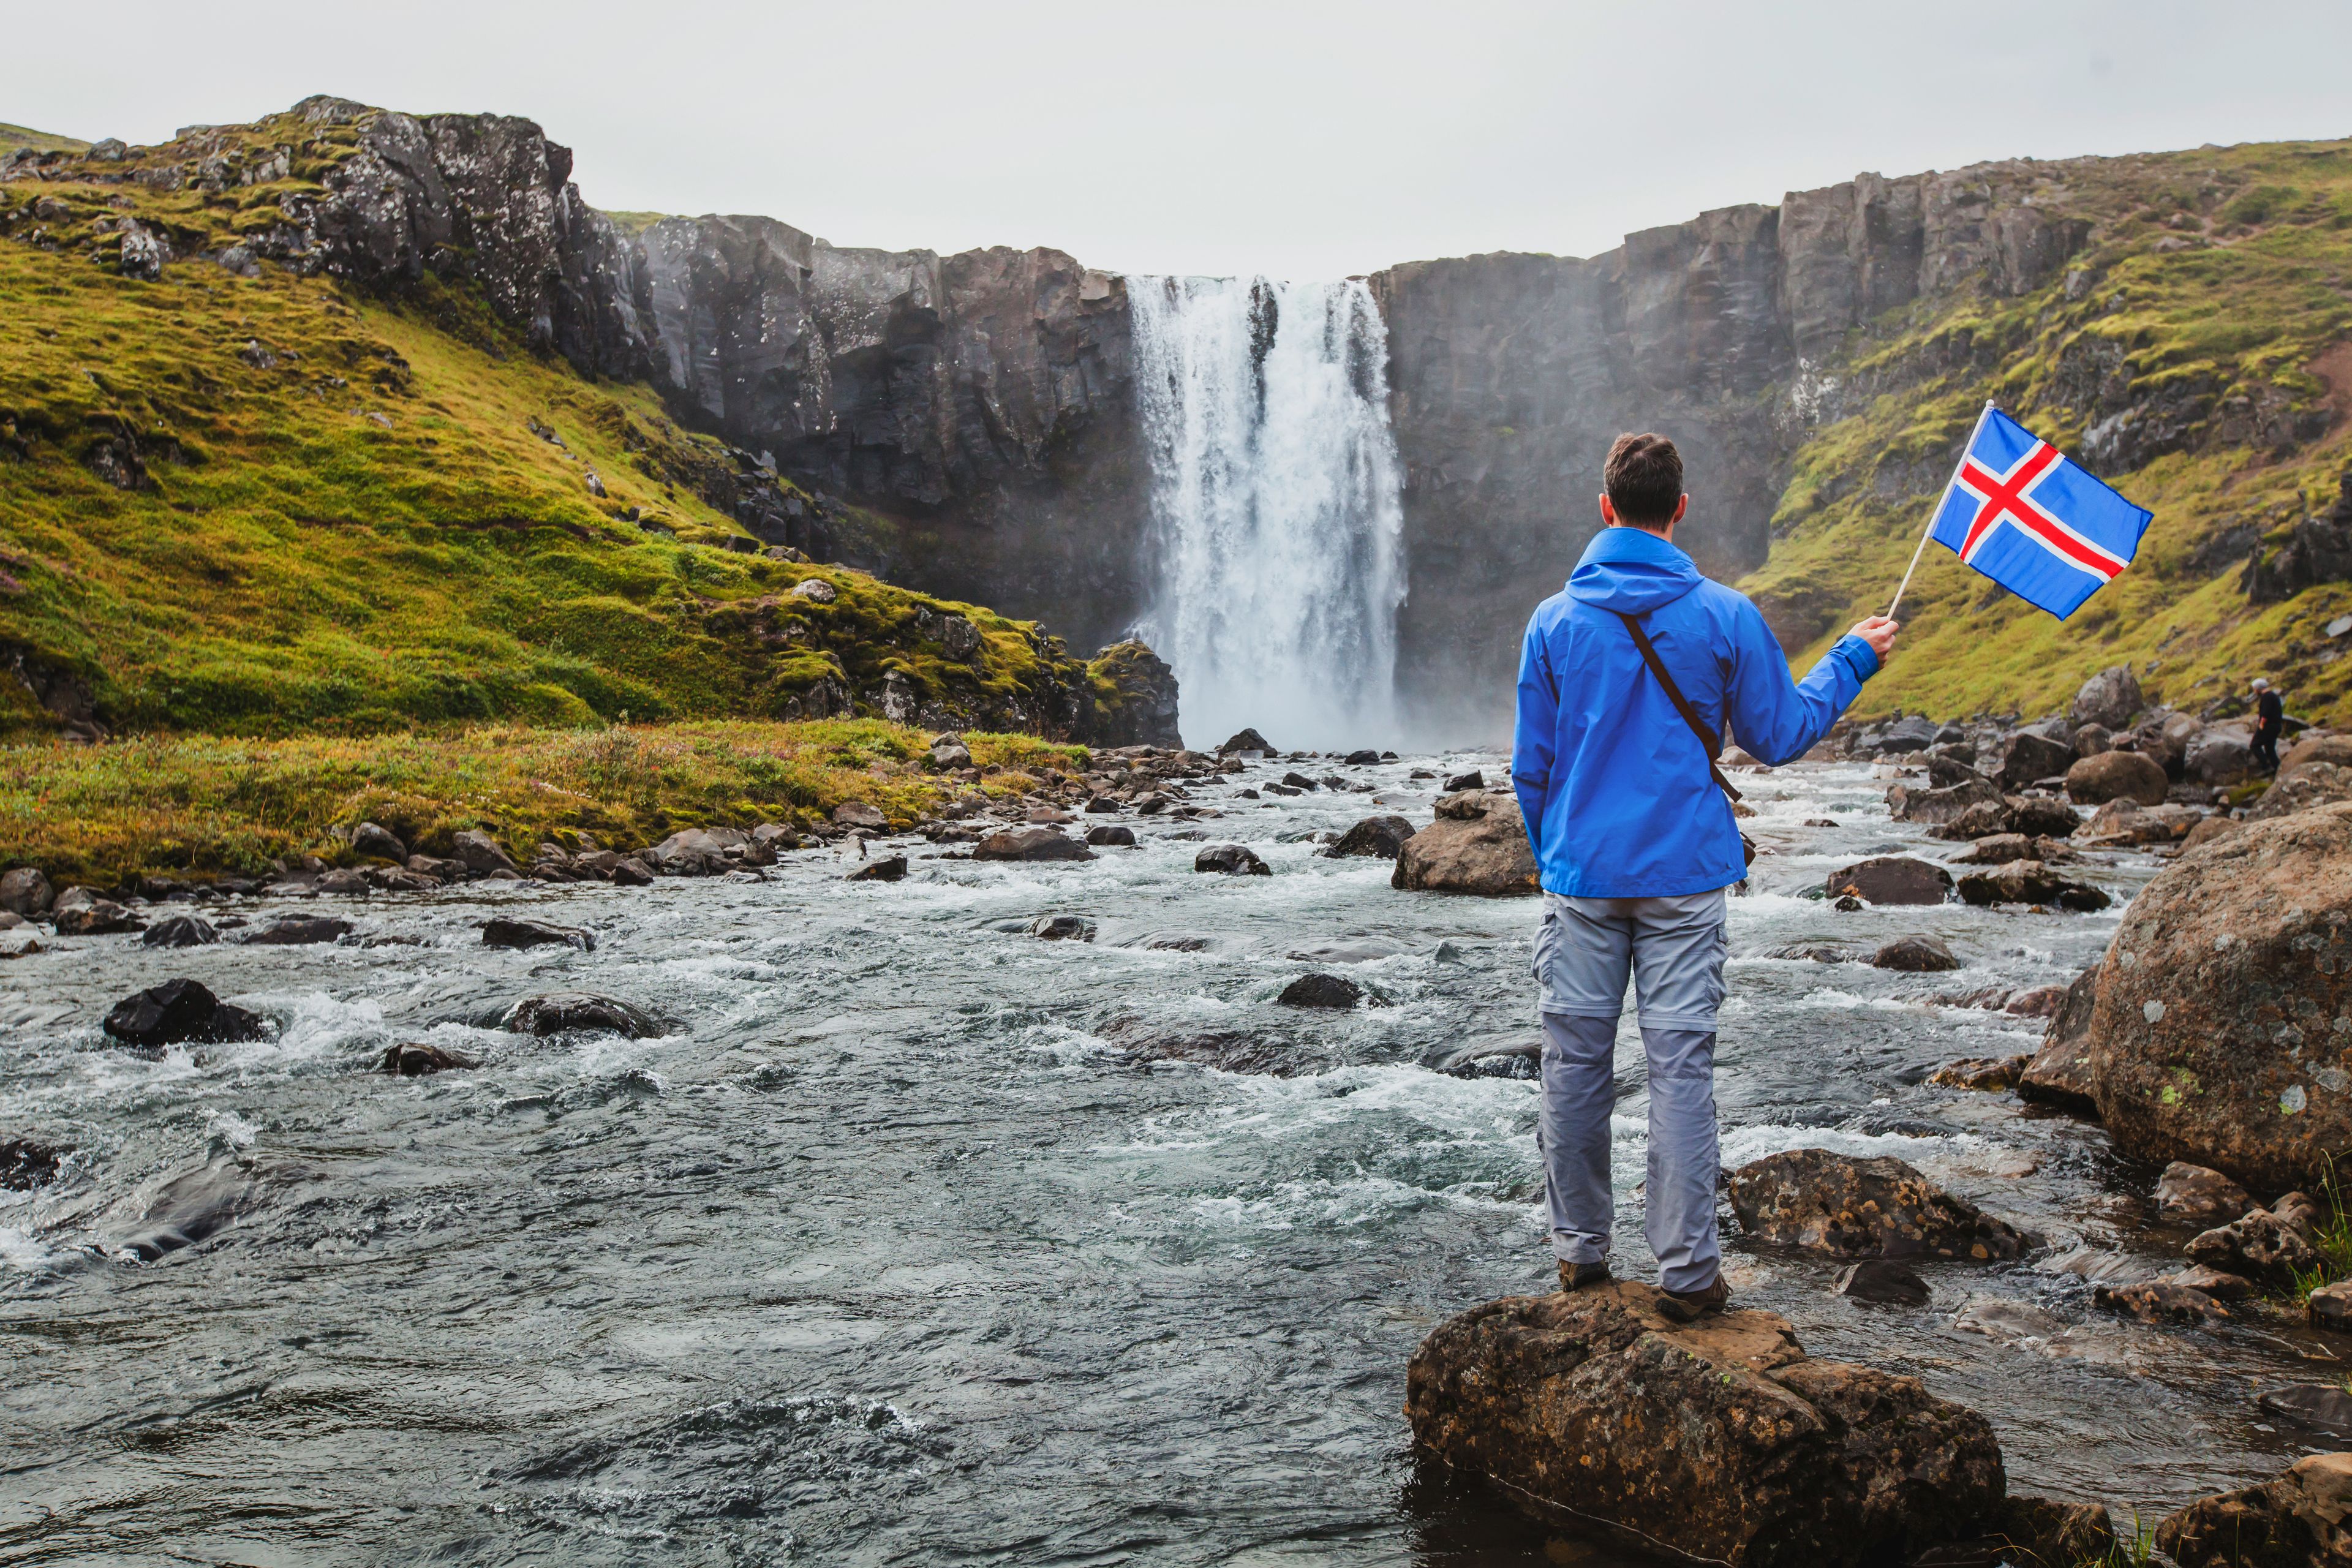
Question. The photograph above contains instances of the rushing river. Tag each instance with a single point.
(904, 1248)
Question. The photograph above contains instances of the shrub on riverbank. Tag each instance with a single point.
(210, 804)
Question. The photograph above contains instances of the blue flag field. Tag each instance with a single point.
(2025, 515)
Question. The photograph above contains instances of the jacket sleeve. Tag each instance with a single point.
(1535, 733)
(1774, 718)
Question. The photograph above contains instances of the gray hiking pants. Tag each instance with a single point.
(1672, 948)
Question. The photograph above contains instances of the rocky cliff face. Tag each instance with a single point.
(984, 404)
(1511, 375)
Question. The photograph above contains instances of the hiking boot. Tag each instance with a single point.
(1689, 1306)
(1576, 1277)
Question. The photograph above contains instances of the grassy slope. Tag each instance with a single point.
(204, 804)
(368, 534)
(15, 136)
(2261, 292)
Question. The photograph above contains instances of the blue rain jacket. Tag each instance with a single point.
(1614, 787)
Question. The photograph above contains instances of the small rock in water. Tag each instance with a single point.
(2029, 882)
(1891, 879)
(1321, 991)
(1821, 822)
(1247, 741)
(1362, 758)
(566, 1012)
(1112, 834)
(1474, 779)
(411, 1059)
(180, 930)
(94, 917)
(2313, 1403)
(1030, 844)
(344, 883)
(1178, 941)
(1847, 904)
(2259, 1244)
(1377, 836)
(25, 1165)
(1848, 1206)
(2330, 1307)
(2158, 1302)
(1062, 927)
(1299, 782)
(1882, 1279)
(2213, 1282)
(1512, 1058)
(1915, 955)
(2193, 1194)
(630, 873)
(1232, 860)
(179, 1011)
(1990, 1074)
(503, 932)
(889, 869)
(300, 931)
(1104, 805)
(1812, 952)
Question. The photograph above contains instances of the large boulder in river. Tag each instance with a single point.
(2215, 1036)
(1940, 806)
(179, 1012)
(1891, 879)
(2300, 1519)
(2111, 697)
(1247, 740)
(1718, 1440)
(2029, 882)
(1477, 845)
(1845, 1205)
(2116, 775)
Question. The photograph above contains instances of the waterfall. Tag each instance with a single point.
(1277, 530)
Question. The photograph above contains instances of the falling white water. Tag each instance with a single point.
(1278, 532)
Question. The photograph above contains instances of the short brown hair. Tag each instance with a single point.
(1644, 477)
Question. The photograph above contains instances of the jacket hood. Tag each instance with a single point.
(1628, 570)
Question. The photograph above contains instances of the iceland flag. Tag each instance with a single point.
(2033, 521)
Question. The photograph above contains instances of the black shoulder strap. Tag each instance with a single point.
(1707, 737)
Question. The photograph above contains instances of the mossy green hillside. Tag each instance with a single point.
(2222, 280)
(182, 804)
(350, 515)
(15, 136)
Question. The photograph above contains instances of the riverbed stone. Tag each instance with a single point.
(2214, 1283)
(1915, 955)
(1891, 879)
(178, 1012)
(503, 931)
(300, 931)
(2110, 698)
(2026, 758)
(1379, 838)
(1719, 1439)
(885, 869)
(1989, 1075)
(2158, 1301)
(2313, 783)
(2330, 1307)
(1845, 1205)
(1321, 991)
(1884, 1280)
(2193, 1194)
(1030, 844)
(1905, 803)
(2213, 1038)
(2116, 775)
(1062, 927)
(2312, 1403)
(1111, 836)
(412, 1058)
(477, 851)
(1232, 860)
(2059, 1073)
(568, 1012)
(180, 930)
(2258, 1245)
(378, 842)
(27, 1165)
(2302, 1519)
(1246, 740)
(1476, 845)
(2029, 882)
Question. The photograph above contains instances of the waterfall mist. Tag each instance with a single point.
(1278, 530)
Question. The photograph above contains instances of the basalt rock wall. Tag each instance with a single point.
(982, 403)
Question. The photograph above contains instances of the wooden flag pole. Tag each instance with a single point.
(1966, 447)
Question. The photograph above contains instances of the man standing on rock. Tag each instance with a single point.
(1635, 844)
(2270, 718)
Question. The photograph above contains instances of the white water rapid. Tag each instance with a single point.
(1278, 531)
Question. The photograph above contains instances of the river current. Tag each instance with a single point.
(918, 1242)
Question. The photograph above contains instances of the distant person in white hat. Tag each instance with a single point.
(2270, 718)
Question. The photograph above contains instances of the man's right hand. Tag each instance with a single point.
(1879, 633)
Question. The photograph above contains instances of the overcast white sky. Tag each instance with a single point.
(1300, 139)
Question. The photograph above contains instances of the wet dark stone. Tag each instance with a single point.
(411, 1059)
(1233, 860)
(1062, 927)
(300, 931)
(1915, 955)
(1846, 1207)
(1892, 880)
(1299, 781)
(568, 1012)
(1514, 1059)
(1362, 758)
(192, 1208)
(176, 1012)
(180, 930)
(2325, 1405)
(1110, 836)
(1474, 779)
(1321, 991)
(1247, 741)
(1377, 836)
(889, 869)
(1884, 1280)
(504, 932)
(1031, 844)
(25, 1164)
